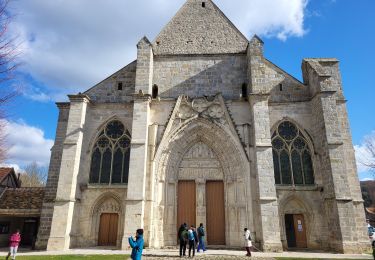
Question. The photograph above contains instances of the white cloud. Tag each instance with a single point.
(70, 45)
(363, 155)
(26, 144)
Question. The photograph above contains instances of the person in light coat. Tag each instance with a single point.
(248, 243)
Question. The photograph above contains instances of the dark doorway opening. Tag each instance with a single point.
(155, 91)
(29, 232)
(289, 230)
(295, 231)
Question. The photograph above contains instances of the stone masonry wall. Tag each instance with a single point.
(53, 178)
(200, 75)
(85, 229)
(107, 91)
(199, 29)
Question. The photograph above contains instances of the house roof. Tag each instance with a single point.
(21, 201)
(199, 27)
(6, 171)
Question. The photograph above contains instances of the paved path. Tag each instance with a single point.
(209, 254)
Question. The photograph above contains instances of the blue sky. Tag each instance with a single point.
(67, 51)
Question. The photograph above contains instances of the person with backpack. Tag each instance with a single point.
(191, 241)
(14, 242)
(137, 245)
(248, 243)
(183, 237)
(201, 235)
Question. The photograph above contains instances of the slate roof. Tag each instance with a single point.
(22, 199)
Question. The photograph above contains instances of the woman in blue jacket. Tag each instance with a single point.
(137, 245)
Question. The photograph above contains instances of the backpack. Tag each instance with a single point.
(184, 235)
(201, 231)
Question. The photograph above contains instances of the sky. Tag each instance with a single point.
(67, 46)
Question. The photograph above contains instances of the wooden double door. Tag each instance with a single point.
(215, 210)
(295, 229)
(108, 229)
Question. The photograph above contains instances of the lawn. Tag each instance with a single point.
(74, 257)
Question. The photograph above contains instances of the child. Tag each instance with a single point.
(14, 242)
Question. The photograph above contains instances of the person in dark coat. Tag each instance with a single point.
(201, 234)
(137, 245)
(183, 237)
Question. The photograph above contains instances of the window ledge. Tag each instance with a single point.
(313, 187)
(106, 186)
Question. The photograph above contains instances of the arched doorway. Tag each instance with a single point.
(106, 221)
(201, 192)
(217, 158)
(296, 220)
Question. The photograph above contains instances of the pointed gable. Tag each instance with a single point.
(199, 27)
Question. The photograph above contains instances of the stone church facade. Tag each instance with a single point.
(202, 128)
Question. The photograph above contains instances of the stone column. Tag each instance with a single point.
(136, 194)
(262, 79)
(201, 201)
(67, 184)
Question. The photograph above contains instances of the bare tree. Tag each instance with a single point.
(9, 52)
(34, 176)
(367, 156)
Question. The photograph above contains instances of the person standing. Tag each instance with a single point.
(137, 245)
(183, 237)
(14, 242)
(248, 243)
(201, 235)
(191, 241)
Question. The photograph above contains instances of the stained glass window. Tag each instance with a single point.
(276, 166)
(291, 156)
(111, 155)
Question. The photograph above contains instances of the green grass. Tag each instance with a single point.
(74, 257)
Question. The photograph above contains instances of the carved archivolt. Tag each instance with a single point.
(200, 162)
(209, 108)
(110, 205)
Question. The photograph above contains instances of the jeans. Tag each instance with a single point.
(13, 251)
(201, 244)
(182, 247)
(191, 246)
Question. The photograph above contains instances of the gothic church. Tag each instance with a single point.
(202, 128)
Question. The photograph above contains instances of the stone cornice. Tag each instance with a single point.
(79, 98)
(63, 105)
